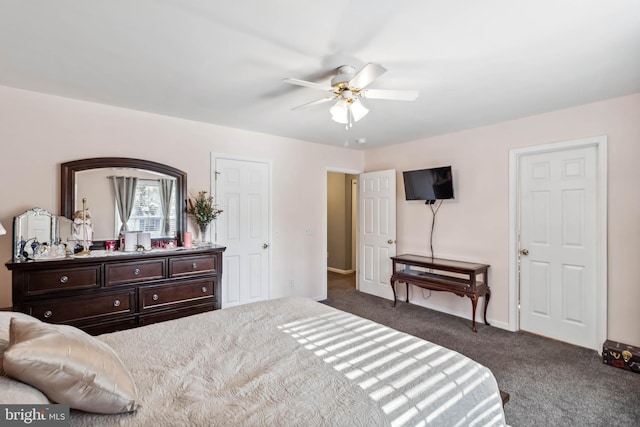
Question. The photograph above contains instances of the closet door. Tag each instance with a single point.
(242, 192)
(558, 241)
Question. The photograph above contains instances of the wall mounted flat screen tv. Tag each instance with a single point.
(428, 184)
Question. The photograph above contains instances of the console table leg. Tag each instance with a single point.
(487, 297)
(393, 288)
(474, 303)
(406, 299)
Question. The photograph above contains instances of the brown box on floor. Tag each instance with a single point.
(621, 356)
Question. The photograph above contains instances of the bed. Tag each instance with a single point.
(293, 361)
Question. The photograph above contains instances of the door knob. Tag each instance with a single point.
(525, 252)
(390, 242)
(265, 246)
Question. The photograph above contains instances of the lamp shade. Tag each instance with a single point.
(339, 112)
(2, 230)
(342, 109)
(358, 110)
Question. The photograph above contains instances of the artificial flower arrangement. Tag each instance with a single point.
(203, 209)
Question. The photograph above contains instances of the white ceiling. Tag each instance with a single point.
(474, 62)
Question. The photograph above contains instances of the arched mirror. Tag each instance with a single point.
(124, 194)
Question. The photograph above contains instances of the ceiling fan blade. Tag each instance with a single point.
(369, 73)
(308, 84)
(316, 102)
(395, 95)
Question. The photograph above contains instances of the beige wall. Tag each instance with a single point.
(38, 132)
(475, 226)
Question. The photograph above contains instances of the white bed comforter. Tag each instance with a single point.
(295, 362)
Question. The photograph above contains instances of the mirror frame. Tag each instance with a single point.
(68, 185)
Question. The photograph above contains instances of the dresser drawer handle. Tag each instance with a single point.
(136, 271)
(64, 279)
(116, 303)
(204, 289)
(194, 265)
(155, 297)
(48, 314)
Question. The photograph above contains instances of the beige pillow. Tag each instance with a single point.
(5, 318)
(13, 392)
(70, 367)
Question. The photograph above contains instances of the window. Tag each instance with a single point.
(147, 210)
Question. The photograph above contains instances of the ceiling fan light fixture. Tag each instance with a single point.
(358, 110)
(348, 112)
(340, 112)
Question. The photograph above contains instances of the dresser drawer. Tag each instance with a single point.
(164, 315)
(192, 265)
(57, 279)
(66, 310)
(105, 325)
(176, 294)
(131, 272)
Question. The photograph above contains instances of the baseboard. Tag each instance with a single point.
(337, 270)
(464, 315)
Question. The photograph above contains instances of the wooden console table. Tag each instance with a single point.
(438, 274)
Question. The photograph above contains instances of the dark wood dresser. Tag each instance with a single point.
(102, 294)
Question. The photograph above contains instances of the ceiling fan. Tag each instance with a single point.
(348, 87)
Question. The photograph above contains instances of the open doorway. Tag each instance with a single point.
(342, 201)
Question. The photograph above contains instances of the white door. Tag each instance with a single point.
(558, 242)
(377, 231)
(243, 193)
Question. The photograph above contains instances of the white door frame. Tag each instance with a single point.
(354, 224)
(600, 142)
(214, 190)
(325, 226)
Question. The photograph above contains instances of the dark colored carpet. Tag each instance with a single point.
(550, 383)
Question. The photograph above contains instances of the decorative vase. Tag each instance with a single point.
(203, 235)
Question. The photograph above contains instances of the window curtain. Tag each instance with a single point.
(166, 188)
(125, 190)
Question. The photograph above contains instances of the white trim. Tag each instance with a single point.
(466, 314)
(600, 142)
(324, 222)
(269, 162)
(354, 223)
